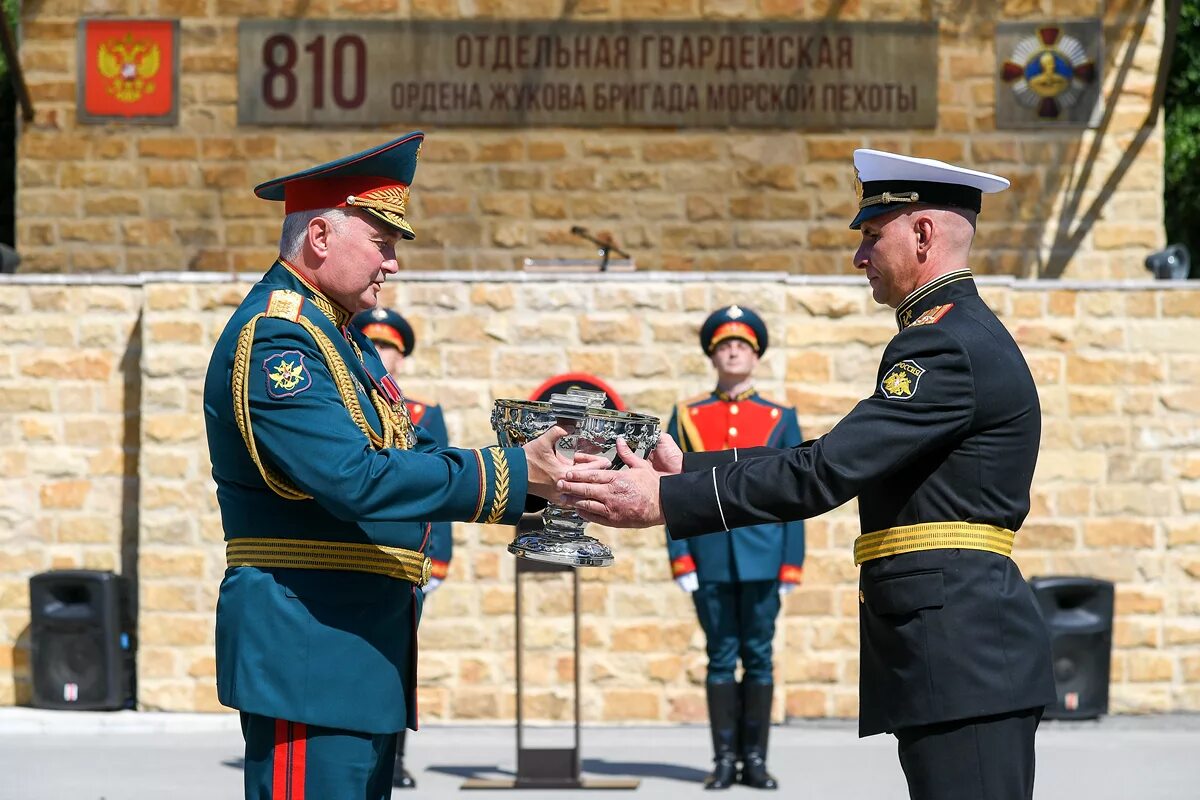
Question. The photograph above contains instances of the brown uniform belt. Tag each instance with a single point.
(933, 536)
(394, 562)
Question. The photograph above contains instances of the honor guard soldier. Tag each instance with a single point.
(395, 341)
(736, 581)
(955, 657)
(325, 487)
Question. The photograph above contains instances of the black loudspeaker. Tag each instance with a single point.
(1079, 614)
(82, 640)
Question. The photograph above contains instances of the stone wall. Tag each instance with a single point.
(103, 465)
(109, 198)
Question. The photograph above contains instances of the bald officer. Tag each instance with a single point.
(736, 580)
(955, 658)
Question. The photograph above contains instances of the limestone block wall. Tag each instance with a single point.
(103, 464)
(109, 198)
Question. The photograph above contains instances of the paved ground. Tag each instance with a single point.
(57, 755)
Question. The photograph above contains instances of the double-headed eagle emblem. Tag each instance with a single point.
(287, 375)
(129, 66)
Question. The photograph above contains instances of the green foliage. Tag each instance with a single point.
(1182, 106)
(12, 10)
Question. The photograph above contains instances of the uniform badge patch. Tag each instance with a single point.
(287, 376)
(900, 382)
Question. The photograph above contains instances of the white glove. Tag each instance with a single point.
(688, 581)
(432, 585)
(786, 588)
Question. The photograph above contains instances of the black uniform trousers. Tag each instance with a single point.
(984, 758)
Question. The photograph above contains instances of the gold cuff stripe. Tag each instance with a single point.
(500, 496)
(393, 562)
(482, 486)
(933, 536)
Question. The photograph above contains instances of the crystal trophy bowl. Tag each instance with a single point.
(591, 428)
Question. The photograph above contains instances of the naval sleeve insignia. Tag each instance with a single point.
(900, 382)
(287, 375)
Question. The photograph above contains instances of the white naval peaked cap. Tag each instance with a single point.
(884, 181)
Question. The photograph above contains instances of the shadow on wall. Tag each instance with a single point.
(1075, 221)
(1035, 231)
(131, 443)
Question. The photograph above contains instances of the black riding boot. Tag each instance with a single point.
(400, 777)
(756, 725)
(723, 719)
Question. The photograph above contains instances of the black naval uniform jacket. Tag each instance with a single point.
(950, 434)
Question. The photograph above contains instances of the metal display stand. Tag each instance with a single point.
(547, 767)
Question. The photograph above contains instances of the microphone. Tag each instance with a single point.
(605, 245)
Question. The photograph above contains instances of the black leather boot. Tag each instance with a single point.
(400, 777)
(723, 715)
(756, 725)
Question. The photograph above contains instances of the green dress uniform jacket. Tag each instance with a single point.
(949, 436)
(310, 443)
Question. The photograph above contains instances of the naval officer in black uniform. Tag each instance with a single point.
(955, 658)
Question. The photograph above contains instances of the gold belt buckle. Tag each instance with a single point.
(426, 572)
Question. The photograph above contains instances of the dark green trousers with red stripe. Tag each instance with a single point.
(293, 761)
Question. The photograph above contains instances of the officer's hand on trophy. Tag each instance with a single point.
(666, 456)
(431, 587)
(626, 498)
(688, 582)
(591, 461)
(786, 588)
(546, 466)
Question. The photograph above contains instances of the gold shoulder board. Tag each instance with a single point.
(285, 304)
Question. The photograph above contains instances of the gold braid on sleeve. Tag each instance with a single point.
(278, 483)
(342, 380)
(393, 425)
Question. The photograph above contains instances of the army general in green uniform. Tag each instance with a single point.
(325, 487)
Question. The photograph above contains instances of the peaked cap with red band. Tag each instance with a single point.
(733, 322)
(374, 180)
(384, 325)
